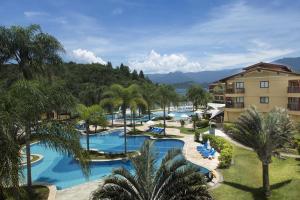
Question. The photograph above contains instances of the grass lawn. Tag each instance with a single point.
(243, 180)
(38, 193)
(185, 130)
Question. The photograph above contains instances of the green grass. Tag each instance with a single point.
(38, 193)
(243, 180)
(185, 130)
(94, 155)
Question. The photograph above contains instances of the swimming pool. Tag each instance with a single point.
(64, 171)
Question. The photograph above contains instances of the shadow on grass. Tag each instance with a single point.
(257, 193)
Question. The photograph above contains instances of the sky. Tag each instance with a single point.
(161, 36)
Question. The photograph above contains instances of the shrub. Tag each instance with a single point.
(202, 124)
(197, 136)
(229, 127)
(161, 118)
(182, 122)
(223, 147)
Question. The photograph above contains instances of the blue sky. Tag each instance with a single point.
(160, 36)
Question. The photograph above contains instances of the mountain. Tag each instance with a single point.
(181, 81)
(294, 63)
(188, 77)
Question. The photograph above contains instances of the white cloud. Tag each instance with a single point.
(157, 63)
(30, 14)
(117, 11)
(85, 56)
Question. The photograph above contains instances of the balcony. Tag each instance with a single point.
(235, 90)
(234, 105)
(294, 106)
(293, 89)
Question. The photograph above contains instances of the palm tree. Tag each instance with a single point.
(265, 134)
(129, 97)
(109, 106)
(26, 102)
(165, 96)
(175, 178)
(99, 119)
(30, 48)
(196, 94)
(87, 114)
(148, 91)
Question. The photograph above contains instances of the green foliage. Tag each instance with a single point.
(197, 95)
(197, 136)
(182, 122)
(229, 127)
(162, 118)
(203, 123)
(223, 147)
(175, 178)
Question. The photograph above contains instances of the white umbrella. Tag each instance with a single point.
(171, 115)
(150, 123)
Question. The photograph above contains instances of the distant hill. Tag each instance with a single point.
(181, 80)
(188, 77)
(294, 63)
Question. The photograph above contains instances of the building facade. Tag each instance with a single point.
(265, 86)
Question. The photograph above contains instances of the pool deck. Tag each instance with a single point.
(83, 191)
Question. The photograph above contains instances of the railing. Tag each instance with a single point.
(294, 89)
(218, 101)
(294, 106)
(235, 90)
(234, 105)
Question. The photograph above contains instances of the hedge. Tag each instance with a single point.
(229, 128)
(203, 123)
(223, 147)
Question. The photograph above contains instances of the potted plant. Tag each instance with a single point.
(212, 128)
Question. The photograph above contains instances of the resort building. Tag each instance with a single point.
(264, 85)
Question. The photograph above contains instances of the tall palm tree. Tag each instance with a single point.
(265, 134)
(30, 48)
(165, 96)
(87, 114)
(196, 94)
(129, 97)
(175, 178)
(26, 102)
(148, 91)
(109, 106)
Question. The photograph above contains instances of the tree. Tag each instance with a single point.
(22, 107)
(30, 48)
(265, 134)
(128, 97)
(165, 96)
(135, 75)
(87, 114)
(175, 178)
(196, 94)
(149, 95)
(141, 75)
(110, 106)
(99, 119)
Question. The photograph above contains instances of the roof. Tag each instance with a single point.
(273, 66)
(263, 66)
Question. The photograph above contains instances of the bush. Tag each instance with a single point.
(197, 136)
(229, 128)
(161, 118)
(223, 147)
(203, 123)
(182, 122)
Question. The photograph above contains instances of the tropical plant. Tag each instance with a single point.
(129, 97)
(165, 95)
(195, 119)
(196, 95)
(110, 106)
(265, 134)
(175, 178)
(21, 109)
(30, 48)
(148, 91)
(90, 115)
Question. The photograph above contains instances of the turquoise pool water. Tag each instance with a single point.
(64, 171)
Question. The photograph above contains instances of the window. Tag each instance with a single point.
(240, 100)
(239, 85)
(264, 99)
(264, 84)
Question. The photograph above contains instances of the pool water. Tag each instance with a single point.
(177, 115)
(64, 171)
